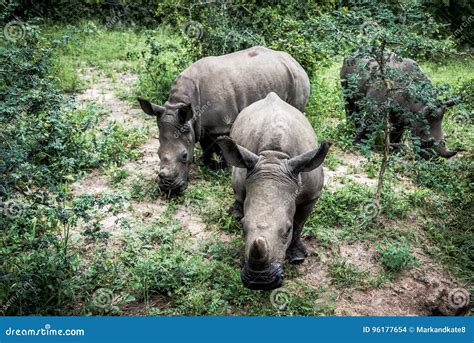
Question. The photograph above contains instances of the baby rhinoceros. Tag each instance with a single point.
(277, 178)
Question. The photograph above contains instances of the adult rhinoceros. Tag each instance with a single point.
(277, 178)
(365, 87)
(206, 98)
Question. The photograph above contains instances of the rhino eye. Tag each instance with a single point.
(184, 156)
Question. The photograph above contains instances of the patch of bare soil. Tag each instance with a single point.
(95, 183)
(427, 290)
(197, 228)
(314, 270)
(416, 292)
(361, 255)
(349, 168)
(147, 164)
(138, 308)
(101, 91)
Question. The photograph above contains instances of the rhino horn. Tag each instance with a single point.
(258, 253)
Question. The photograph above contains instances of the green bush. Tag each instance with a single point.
(44, 145)
(167, 57)
(396, 256)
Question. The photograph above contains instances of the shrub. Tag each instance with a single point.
(396, 256)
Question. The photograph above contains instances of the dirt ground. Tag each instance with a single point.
(420, 291)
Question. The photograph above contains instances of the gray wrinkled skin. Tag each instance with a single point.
(277, 177)
(209, 95)
(361, 66)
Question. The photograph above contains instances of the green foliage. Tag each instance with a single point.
(45, 144)
(167, 57)
(344, 274)
(396, 256)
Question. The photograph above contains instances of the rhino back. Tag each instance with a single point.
(230, 83)
(403, 66)
(272, 124)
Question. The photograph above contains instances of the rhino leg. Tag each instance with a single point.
(396, 134)
(211, 153)
(236, 210)
(296, 252)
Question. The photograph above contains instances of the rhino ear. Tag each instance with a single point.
(185, 114)
(150, 108)
(235, 154)
(309, 160)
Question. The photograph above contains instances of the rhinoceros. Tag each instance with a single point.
(431, 138)
(206, 98)
(277, 178)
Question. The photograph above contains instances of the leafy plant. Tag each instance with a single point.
(396, 256)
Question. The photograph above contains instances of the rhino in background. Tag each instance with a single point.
(362, 67)
(206, 98)
(277, 178)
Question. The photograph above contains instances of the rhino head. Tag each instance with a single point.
(177, 138)
(433, 138)
(272, 184)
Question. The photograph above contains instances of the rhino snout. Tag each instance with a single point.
(171, 181)
(263, 279)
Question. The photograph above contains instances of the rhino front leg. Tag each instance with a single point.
(211, 153)
(396, 134)
(238, 185)
(296, 252)
(236, 210)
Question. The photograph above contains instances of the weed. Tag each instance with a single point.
(396, 256)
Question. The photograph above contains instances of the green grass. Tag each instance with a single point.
(344, 274)
(95, 46)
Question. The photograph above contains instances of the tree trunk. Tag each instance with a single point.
(386, 151)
